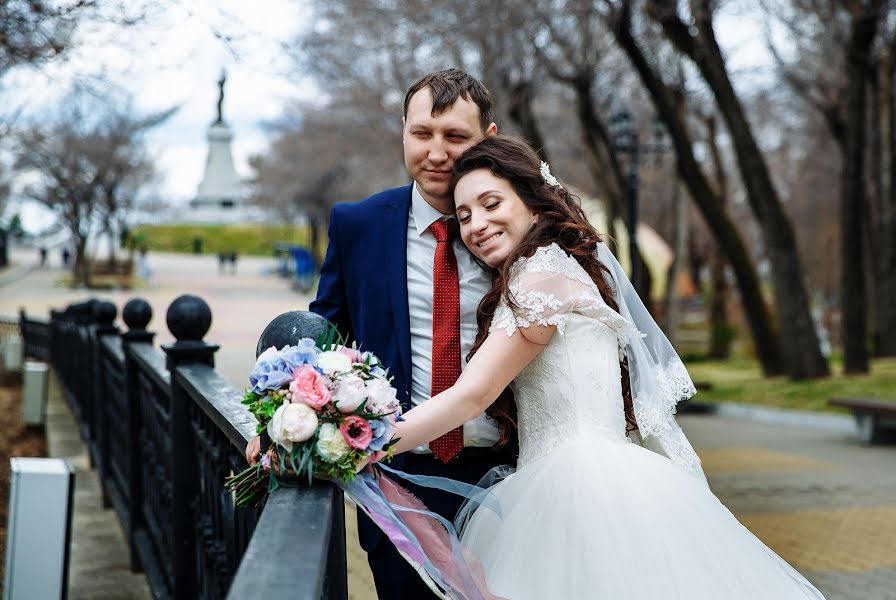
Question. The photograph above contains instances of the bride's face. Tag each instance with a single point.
(493, 219)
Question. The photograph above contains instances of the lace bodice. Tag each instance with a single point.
(573, 387)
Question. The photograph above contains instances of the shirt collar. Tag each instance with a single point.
(424, 214)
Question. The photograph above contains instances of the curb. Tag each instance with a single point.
(801, 419)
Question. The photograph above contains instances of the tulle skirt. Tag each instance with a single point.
(602, 519)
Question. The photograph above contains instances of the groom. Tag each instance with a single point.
(398, 280)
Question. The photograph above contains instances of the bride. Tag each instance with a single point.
(586, 513)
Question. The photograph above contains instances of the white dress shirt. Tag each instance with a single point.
(474, 282)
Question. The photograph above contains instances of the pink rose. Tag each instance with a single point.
(357, 432)
(309, 387)
(352, 354)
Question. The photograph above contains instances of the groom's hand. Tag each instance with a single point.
(253, 450)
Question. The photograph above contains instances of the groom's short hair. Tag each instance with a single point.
(446, 86)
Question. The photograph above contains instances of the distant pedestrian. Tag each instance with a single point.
(233, 256)
(66, 256)
(143, 271)
(43, 256)
(223, 257)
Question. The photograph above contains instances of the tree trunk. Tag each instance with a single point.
(605, 170)
(81, 268)
(853, 205)
(765, 337)
(886, 344)
(679, 260)
(720, 328)
(520, 97)
(802, 351)
(871, 236)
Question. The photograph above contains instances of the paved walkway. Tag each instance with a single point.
(821, 500)
(99, 564)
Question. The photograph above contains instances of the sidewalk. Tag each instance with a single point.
(99, 566)
(820, 499)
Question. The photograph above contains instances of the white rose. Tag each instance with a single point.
(330, 443)
(350, 393)
(292, 423)
(334, 362)
(381, 396)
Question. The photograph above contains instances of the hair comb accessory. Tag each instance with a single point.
(548, 177)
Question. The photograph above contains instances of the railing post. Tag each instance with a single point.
(78, 369)
(104, 314)
(188, 319)
(136, 314)
(337, 567)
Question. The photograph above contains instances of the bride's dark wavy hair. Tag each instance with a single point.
(560, 220)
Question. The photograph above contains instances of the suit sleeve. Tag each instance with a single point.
(331, 301)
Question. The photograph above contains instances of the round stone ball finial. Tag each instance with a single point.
(288, 328)
(137, 314)
(104, 312)
(189, 318)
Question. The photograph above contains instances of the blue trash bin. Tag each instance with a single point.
(304, 268)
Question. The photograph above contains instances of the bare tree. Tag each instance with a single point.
(571, 45)
(669, 103)
(32, 31)
(696, 40)
(88, 163)
(849, 85)
(324, 158)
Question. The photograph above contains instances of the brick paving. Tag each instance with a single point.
(821, 500)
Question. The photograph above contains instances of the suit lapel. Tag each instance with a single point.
(396, 245)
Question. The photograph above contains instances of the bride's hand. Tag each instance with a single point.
(253, 451)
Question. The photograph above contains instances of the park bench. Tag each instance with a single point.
(876, 419)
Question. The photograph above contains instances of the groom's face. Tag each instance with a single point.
(433, 142)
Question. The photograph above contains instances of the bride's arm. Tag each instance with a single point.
(492, 368)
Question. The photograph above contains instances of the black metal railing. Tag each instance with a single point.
(36, 337)
(163, 430)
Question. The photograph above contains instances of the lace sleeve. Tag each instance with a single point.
(549, 286)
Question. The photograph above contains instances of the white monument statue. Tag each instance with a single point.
(221, 197)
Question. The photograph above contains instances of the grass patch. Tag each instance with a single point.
(244, 239)
(742, 381)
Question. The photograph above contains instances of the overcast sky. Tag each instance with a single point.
(175, 58)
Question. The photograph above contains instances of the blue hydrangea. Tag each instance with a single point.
(269, 375)
(273, 369)
(305, 352)
(383, 429)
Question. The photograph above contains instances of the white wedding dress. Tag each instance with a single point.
(587, 514)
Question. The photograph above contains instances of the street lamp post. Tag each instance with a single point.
(626, 142)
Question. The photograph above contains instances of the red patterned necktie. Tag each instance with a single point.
(446, 359)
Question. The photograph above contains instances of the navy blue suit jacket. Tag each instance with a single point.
(363, 290)
(363, 286)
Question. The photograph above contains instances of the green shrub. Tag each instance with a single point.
(244, 239)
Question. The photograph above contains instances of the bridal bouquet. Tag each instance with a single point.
(329, 410)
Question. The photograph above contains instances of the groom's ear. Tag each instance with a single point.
(491, 130)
